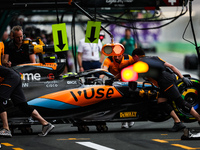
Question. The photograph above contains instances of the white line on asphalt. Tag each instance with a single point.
(94, 146)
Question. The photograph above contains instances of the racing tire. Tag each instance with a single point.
(153, 50)
(191, 95)
(191, 62)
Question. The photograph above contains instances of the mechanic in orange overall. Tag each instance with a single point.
(164, 77)
(114, 64)
(11, 87)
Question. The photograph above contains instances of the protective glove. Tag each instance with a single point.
(187, 81)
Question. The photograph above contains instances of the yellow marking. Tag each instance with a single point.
(17, 148)
(74, 139)
(177, 145)
(7, 144)
(161, 141)
(164, 134)
(184, 147)
(172, 139)
(180, 84)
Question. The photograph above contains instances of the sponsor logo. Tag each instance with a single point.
(128, 114)
(93, 93)
(51, 84)
(172, 2)
(71, 82)
(51, 76)
(118, 1)
(31, 76)
(25, 85)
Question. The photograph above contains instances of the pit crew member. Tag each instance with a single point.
(15, 51)
(165, 79)
(11, 87)
(88, 56)
(114, 64)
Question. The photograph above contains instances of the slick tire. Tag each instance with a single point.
(191, 95)
(191, 62)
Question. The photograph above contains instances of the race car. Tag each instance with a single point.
(83, 101)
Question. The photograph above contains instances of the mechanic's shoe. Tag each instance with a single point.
(46, 129)
(177, 127)
(124, 125)
(5, 133)
(130, 124)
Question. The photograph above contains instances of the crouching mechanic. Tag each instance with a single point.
(11, 87)
(114, 64)
(165, 79)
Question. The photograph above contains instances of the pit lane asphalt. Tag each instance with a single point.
(142, 136)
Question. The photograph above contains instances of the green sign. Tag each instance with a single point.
(92, 32)
(60, 37)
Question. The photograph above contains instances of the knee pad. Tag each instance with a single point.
(24, 107)
(164, 106)
(183, 104)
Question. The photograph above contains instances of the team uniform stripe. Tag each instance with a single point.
(52, 104)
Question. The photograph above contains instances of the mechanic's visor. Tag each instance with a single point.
(114, 49)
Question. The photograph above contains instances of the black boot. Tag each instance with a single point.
(177, 127)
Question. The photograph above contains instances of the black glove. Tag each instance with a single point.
(187, 81)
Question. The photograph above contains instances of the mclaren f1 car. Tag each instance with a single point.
(82, 100)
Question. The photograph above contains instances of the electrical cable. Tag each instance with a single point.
(57, 11)
(173, 19)
(73, 38)
(183, 36)
(191, 22)
(105, 18)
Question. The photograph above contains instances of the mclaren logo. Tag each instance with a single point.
(131, 114)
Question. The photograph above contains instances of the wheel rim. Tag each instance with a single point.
(191, 96)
